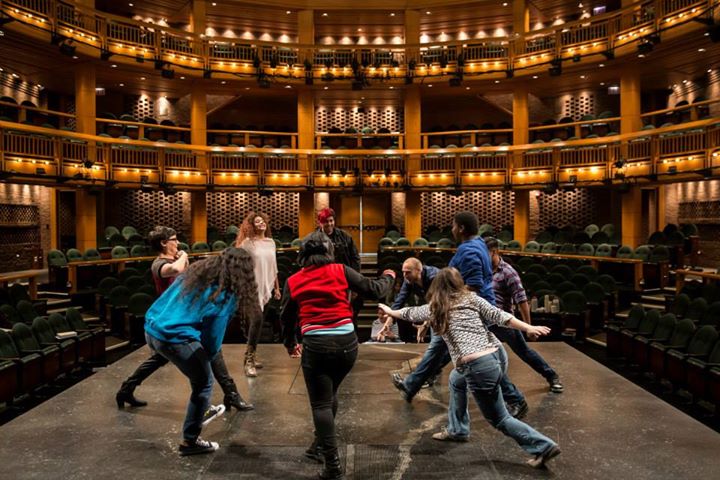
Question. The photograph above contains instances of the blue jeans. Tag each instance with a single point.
(483, 376)
(193, 361)
(516, 340)
(435, 358)
(458, 415)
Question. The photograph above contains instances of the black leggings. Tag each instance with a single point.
(149, 366)
(326, 360)
(254, 329)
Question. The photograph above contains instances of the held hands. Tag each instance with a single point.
(389, 271)
(421, 330)
(295, 352)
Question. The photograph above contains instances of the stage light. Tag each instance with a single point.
(645, 47)
(620, 163)
(66, 48)
(555, 68)
(105, 54)
(87, 163)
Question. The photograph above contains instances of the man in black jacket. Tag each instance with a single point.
(345, 251)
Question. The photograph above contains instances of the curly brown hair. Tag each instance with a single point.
(247, 227)
(232, 272)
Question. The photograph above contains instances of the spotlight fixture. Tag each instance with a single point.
(87, 163)
(207, 74)
(672, 169)
(105, 54)
(609, 54)
(576, 58)
(509, 73)
(369, 171)
(343, 171)
(619, 163)
(167, 73)
(327, 170)
(555, 69)
(645, 47)
(67, 48)
(56, 38)
(159, 64)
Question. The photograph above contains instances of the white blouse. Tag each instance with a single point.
(263, 253)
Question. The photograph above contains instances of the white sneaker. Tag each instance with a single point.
(212, 413)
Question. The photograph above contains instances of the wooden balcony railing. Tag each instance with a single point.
(140, 41)
(43, 155)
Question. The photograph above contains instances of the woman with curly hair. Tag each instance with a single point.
(254, 236)
(462, 318)
(187, 324)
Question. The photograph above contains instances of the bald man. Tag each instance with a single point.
(417, 280)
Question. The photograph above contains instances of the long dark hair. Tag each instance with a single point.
(232, 272)
(445, 290)
(316, 249)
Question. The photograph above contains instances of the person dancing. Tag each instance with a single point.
(462, 319)
(170, 263)
(255, 237)
(186, 325)
(317, 299)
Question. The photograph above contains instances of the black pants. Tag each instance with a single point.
(149, 366)
(254, 329)
(326, 360)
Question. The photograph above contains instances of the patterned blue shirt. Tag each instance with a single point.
(508, 287)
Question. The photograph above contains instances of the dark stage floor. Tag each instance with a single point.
(607, 427)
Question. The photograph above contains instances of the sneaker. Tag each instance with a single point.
(540, 460)
(518, 410)
(431, 381)
(555, 385)
(397, 380)
(445, 436)
(197, 447)
(212, 413)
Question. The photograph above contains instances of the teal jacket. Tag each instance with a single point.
(174, 318)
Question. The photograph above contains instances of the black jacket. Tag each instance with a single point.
(345, 250)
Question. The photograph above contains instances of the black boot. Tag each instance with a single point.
(235, 400)
(126, 395)
(314, 452)
(332, 469)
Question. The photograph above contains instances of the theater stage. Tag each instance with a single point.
(607, 427)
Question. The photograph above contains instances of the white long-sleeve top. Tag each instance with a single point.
(263, 253)
(467, 331)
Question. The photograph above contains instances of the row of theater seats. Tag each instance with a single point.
(36, 354)
(122, 299)
(682, 350)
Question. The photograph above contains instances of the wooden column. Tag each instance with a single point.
(198, 216)
(306, 33)
(660, 206)
(521, 17)
(412, 34)
(86, 205)
(521, 115)
(53, 219)
(630, 91)
(521, 221)
(306, 139)
(85, 220)
(632, 217)
(198, 15)
(198, 136)
(413, 217)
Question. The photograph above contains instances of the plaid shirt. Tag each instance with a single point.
(508, 288)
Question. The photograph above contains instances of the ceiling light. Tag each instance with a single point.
(325, 88)
(392, 14)
(75, 57)
(497, 81)
(709, 70)
(359, 29)
(223, 82)
(130, 5)
(467, 88)
(430, 86)
(601, 65)
(582, 76)
(535, 77)
(391, 87)
(505, 4)
(142, 78)
(427, 13)
(214, 4)
(182, 78)
(602, 84)
(324, 14)
(288, 12)
(121, 84)
(701, 49)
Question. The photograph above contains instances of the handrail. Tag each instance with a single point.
(38, 154)
(145, 41)
(141, 124)
(37, 109)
